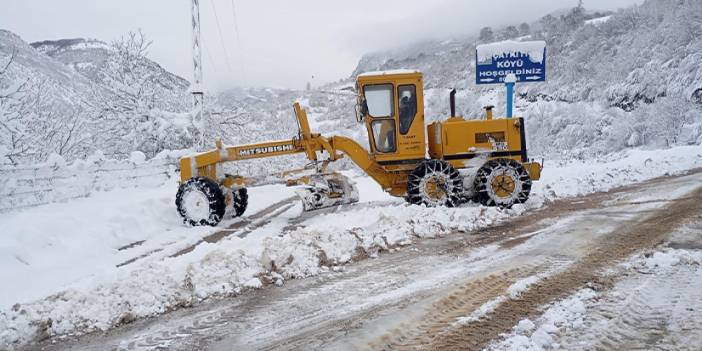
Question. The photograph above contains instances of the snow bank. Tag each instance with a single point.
(575, 178)
(70, 296)
(563, 315)
(663, 259)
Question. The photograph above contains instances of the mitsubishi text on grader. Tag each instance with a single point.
(443, 164)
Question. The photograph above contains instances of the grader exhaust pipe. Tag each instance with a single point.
(452, 101)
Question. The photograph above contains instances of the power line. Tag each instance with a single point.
(236, 26)
(221, 37)
(209, 58)
(238, 39)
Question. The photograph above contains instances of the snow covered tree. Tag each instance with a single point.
(524, 29)
(667, 119)
(575, 17)
(133, 108)
(32, 127)
(56, 131)
(510, 32)
(486, 34)
(13, 137)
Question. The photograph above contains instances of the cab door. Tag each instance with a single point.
(395, 120)
(381, 121)
(410, 116)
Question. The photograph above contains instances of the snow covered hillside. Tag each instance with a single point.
(619, 80)
(631, 78)
(608, 88)
(91, 58)
(75, 97)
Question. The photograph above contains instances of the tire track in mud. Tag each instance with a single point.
(444, 312)
(467, 300)
(611, 249)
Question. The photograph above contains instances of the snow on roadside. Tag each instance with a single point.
(570, 314)
(575, 178)
(102, 296)
(538, 335)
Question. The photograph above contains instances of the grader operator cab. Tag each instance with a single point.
(443, 164)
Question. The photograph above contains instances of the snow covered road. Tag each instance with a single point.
(453, 292)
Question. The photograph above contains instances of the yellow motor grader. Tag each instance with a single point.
(443, 164)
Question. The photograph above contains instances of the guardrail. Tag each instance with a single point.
(55, 181)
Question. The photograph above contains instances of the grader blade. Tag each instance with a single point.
(327, 190)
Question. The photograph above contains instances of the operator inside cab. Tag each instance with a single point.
(408, 106)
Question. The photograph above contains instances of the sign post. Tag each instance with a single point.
(510, 62)
(510, 80)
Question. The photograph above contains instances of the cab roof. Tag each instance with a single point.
(384, 76)
(389, 73)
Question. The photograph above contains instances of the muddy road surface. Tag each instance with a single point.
(458, 292)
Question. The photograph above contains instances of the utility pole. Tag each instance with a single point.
(198, 95)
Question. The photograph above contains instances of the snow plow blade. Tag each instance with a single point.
(326, 190)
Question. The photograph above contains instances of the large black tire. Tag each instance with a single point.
(240, 201)
(502, 182)
(434, 183)
(200, 201)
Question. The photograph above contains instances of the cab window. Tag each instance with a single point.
(407, 97)
(379, 99)
(384, 135)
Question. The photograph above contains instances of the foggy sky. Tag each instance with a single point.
(280, 43)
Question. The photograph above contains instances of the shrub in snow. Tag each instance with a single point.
(137, 157)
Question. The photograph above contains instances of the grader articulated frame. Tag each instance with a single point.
(481, 160)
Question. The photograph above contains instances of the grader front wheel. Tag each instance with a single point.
(200, 201)
(503, 183)
(434, 183)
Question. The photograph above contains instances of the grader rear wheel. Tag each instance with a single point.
(502, 182)
(200, 201)
(434, 183)
(240, 201)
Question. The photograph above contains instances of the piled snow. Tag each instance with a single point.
(563, 315)
(510, 48)
(71, 249)
(664, 259)
(574, 178)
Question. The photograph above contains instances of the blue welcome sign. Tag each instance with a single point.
(525, 59)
